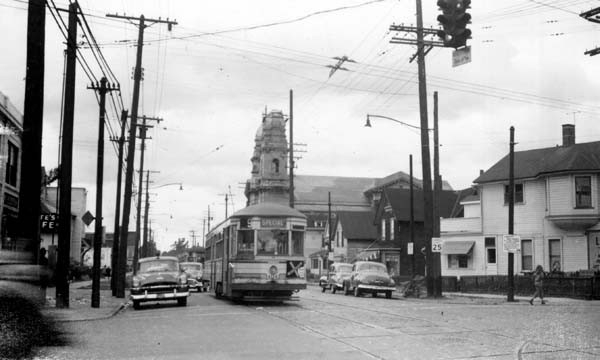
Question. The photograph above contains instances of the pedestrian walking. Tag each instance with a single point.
(538, 282)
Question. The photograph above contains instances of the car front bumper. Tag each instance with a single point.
(376, 287)
(144, 295)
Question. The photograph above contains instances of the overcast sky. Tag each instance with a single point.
(212, 76)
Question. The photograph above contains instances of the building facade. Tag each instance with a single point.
(11, 127)
(556, 213)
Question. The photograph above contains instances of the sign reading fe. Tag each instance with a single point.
(49, 223)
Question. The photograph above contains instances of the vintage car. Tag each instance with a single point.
(195, 273)
(157, 279)
(369, 277)
(338, 272)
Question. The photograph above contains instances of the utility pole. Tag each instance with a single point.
(116, 248)
(330, 226)
(102, 89)
(137, 77)
(193, 236)
(33, 119)
(146, 210)
(203, 231)
(66, 166)
(138, 224)
(437, 188)
(412, 218)
(209, 218)
(592, 15)
(427, 193)
(226, 203)
(511, 214)
(291, 148)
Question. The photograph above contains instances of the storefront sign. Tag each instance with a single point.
(11, 200)
(272, 223)
(49, 223)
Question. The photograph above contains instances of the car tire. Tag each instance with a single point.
(182, 301)
(374, 294)
(356, 291)
(323, 288)
(136, 304)
(333, 289)
(346, 289)
(388, 294)
(219, 290)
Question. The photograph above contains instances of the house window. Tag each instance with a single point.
(518, 194)
(554, 254)
(392, 228)
(526, 255)
(583, 191)
(458, 261)
(315, 264)
(490, 249)
(12, 163)
(382, 229)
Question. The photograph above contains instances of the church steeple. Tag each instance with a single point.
(269, 181)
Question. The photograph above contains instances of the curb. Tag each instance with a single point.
(114, 312)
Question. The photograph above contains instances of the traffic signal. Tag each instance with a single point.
(454, 20)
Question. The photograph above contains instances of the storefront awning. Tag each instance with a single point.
(457, 247)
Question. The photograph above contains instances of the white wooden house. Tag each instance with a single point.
(557, 213)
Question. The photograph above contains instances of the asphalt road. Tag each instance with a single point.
(327, 326)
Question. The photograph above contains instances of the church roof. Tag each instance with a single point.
(344, 190)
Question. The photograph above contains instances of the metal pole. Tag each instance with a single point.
(412, 218)
(291, 148)
(437, 188)
(66, 165)
(146, 209)
(427, 191)
(511, 214)
(138, 220)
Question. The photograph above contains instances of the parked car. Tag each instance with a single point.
(338, 272)
(369, 277)
(157, 279)
(195, 273)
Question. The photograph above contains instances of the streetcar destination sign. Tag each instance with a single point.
(272, 222)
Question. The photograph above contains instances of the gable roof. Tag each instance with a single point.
(357, 224)
(399, 199)
(539, 162)
(401, 177)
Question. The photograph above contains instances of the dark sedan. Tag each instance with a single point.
(369, 277)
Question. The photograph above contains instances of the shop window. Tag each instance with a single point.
(298, 243)
(554, 254)
(272, 242)
(526, 255)
(458, 261)
(583, 191)
(12, 163)
(518, 194)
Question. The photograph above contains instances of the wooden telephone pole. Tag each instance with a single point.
(137, 77)
(116, 248)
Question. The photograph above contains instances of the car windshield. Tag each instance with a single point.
(344, 268)
(372, 267)
(192, 267)
(158, 266)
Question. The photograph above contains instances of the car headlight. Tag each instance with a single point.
(392, 283)
(136, 282)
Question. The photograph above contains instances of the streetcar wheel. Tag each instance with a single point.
(388, 294)
(356, 291)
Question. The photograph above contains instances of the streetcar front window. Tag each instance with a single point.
(298, 243)
(273, 242)
(245, 241)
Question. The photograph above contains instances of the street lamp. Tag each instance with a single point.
(369, 116)
(175, 183)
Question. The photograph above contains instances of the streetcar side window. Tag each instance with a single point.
(219, 248)
(298, 243)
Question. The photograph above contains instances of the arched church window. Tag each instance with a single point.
(275, 166)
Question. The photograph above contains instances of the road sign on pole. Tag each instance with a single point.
(436, 244)
(511, 243)
(461, 56)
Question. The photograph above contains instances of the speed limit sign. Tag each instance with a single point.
(436, 244)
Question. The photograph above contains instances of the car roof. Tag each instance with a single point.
(190, 263)
(159, 258)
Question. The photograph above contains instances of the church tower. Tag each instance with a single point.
(269, 181)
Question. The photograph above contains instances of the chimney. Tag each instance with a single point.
(568, 134)
(481, 172)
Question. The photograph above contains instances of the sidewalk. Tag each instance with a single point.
(523, 300)
(80, 303)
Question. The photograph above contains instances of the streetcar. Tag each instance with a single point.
(257, 254)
